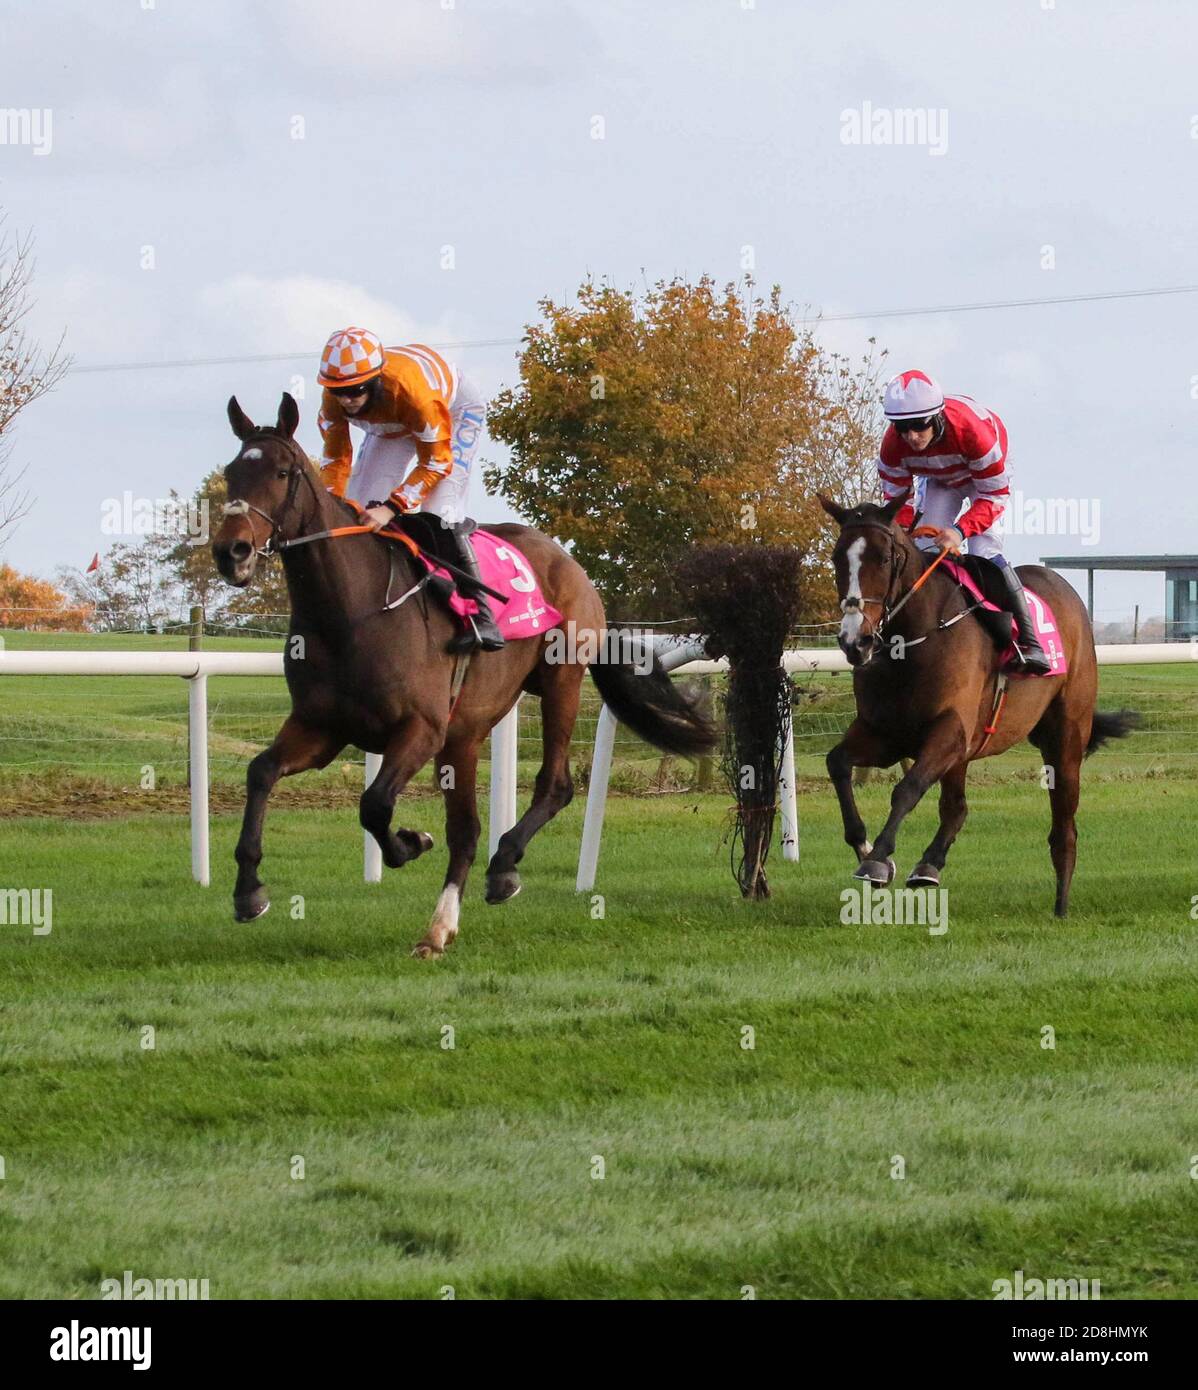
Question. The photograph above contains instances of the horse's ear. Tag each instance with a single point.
(892, 508)
(243, 426)
(835, 512)
(288, 421)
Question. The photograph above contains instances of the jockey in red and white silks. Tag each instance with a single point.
(960, 449)
(959, 446)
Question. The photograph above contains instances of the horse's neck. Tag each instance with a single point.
(925, 608)
(334, 582)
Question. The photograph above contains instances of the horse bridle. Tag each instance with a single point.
(241, 507)
(898, 564)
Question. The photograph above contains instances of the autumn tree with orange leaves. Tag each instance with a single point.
(37, 605)
(642, 427)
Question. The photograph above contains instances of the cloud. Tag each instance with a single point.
(251, 314)
(113, 319)
(384, 41)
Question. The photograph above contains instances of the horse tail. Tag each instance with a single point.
(1111, 724)
(653, 707)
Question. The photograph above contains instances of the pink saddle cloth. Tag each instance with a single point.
(525, 612)
(1042, 620)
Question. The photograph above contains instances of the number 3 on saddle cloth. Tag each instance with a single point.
(524, 613)
(1042, 618)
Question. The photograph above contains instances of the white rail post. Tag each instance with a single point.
(786, 794)
(505, 743)
(197, 719)
(372, 856)
(670, 651)
(592, 824)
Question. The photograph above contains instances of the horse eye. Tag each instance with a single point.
(282, 473)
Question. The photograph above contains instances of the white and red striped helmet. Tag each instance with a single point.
(350, 356)
(911, 396)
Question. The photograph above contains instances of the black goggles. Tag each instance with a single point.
(359, 388)
(914, 426)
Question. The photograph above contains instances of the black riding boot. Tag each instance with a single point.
(1028, 645)
(484, 634)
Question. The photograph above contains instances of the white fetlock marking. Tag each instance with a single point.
(448, 909)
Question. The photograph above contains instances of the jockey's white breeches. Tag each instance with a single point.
(941, 507)
(385, 457)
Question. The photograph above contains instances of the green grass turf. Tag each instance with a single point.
(619, 1038)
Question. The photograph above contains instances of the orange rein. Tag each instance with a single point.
(360, 530)
(923, 578)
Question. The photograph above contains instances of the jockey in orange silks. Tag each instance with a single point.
(414, 408)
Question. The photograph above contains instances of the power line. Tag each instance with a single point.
(1011, 304)
(312, 356)
(515, 342)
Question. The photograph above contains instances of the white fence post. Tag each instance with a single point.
(786, 794)
(592, 823)
(671, 651)
(372, 856)
(505, 744)
(197, 720)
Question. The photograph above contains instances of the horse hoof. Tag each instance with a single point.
(253, 905)
(426, 841)
(924, 876)
(427, 950)
(502, 887)
(875, 872)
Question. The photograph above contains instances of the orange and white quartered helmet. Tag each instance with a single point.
(351, 356)
(912, 396)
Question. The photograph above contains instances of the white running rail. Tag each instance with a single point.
(681, 654)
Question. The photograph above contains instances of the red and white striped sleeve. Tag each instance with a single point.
(983, 440)
(895, 476)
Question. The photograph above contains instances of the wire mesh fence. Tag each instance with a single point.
(71, 741)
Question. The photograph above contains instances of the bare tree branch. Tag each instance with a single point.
(26, 372)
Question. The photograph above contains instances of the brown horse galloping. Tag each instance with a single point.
(382, 680)
(930, 695)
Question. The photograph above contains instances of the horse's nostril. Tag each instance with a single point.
(240, 551)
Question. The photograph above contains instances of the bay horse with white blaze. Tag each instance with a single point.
(381, 678)
(925, 678)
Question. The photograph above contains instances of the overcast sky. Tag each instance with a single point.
(426, 124)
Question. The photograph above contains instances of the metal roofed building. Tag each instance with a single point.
(1181, 584)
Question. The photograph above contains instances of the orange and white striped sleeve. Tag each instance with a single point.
(337, 456)
(424, 384)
